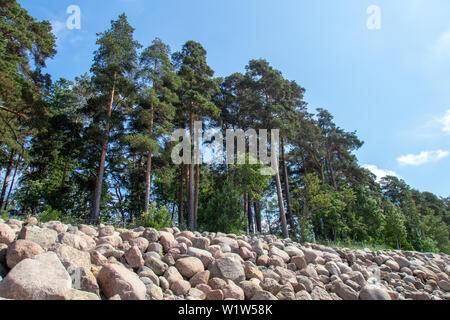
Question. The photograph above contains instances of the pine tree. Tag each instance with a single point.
(114, 61)
(197, 88)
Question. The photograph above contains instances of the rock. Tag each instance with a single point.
(106, 231)
(205, 256)
(401, 261)
(188, 267)
(303, 295)
(280, 253)
(444, 285)
(228, 268)
(306, 282)
(55, 225)
(251, 271)
(82, 295)
(286, 293)
(344, 291)
(134, 257)
(299, 261)
(114, 241)
(293, 251)
(310, 255)
(116, 279)
(200, 242)
(172, 274)
(151, 235)
(319, 293)
(233, 244)
(156, 265)
(155, 247)
(83, 279)
(392, 265)
(20, 250)
(232, 291)
(167, 240)
(214, 295)
(32, 221)
(155, 292)
(195, 294)
(70, 256)
(91, 232)
(141, 243)
(373, 292)
(128, 235)
(7, 235)
(263, 296)
(271, 285)
(98, 259)
(250, 288)
(180, 287)
(201, 277)
(41, 278)
(43, 237)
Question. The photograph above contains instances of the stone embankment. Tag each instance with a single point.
(42, 261)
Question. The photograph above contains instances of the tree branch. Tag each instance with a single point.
(14, 112)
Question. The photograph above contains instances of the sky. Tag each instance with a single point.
(390, 84)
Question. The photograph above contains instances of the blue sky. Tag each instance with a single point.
(390, 85)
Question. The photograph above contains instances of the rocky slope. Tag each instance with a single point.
(57, 261)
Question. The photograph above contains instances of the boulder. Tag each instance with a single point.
(7, 235)
(20, 250)
(115, 279)
(43, 237)
(189, 266)
(228, 268)
(41, 278)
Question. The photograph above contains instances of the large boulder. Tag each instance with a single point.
(40, 278)
(229, 267)
(189, 266)
(7, 235)
(76, 241)
(167, 240)
(134, 257)
(70, 256)
(20, 250)
(42, 236)
(115, 279)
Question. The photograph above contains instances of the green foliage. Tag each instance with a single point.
(50, 214)
(224, 211)
(156, 218)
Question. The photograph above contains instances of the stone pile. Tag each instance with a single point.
(43, 261)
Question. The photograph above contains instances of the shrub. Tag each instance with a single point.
(157, 218)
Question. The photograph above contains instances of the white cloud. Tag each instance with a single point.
(379, 173)
(442, 46)
(422, 158)
(446, 122)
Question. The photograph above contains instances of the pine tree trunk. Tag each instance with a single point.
(180, 197)
(12, 183)
(197, 186)
(64, 177)
(284, 228)
(6, 180)
(191, 202)
(290, 216)
(247, 229)
(148, 172)
(95, 211)
(258, 216)
(251, 224)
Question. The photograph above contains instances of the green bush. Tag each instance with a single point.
(50, 214)
(157, 218)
